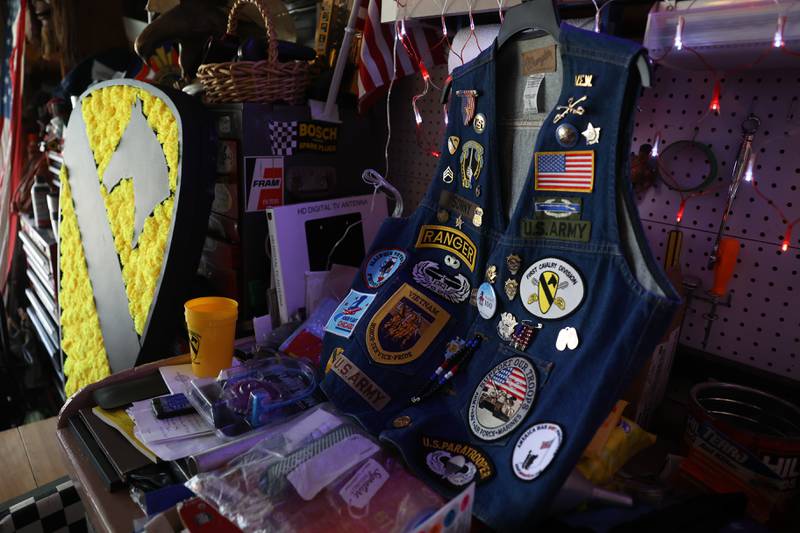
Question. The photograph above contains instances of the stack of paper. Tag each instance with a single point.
(172, 438)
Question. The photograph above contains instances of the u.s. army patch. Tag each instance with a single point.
(456, 463)
(404, 327)
(357, 380)
(448, 239)
(562, 230)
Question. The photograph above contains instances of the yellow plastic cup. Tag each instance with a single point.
(211, 322)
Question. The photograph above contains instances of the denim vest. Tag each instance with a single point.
(570, 300)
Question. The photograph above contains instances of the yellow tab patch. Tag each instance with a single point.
(449, 239)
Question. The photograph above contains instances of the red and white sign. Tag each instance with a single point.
(266, 187)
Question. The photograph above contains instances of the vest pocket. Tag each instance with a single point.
(502, 391)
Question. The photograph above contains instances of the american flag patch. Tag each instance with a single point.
(564, 171)
(512, 381)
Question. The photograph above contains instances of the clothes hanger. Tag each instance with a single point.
(533, 14)
(543, 15)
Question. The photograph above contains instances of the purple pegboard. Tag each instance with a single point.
(762, 326)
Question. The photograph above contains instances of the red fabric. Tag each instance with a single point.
(11, 128)
(375, 67)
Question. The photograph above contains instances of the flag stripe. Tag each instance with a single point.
(376, 66)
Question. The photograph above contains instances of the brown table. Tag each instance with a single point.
(106, 511)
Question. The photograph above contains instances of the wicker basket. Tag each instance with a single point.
(255, 81)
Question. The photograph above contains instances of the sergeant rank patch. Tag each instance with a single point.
(404, 327)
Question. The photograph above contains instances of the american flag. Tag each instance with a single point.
(11, 145)
(375, 67)
(511, 381)
(565, 171)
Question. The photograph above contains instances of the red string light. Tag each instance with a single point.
(777, 44)
(713, 106)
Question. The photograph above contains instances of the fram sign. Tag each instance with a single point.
(266, 185)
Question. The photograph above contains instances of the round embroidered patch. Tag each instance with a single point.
(502, 399)
(551, 288)
(535, 450)
(381, 266)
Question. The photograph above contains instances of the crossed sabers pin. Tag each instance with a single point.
(572, 107)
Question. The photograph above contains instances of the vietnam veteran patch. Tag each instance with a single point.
(563, 230)
(450, 240)
(357, 380)
(457, 463)
(404, 327)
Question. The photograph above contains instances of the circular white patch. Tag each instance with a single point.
(502, 399)
(486, 300)
(535, 450)
(551, 288)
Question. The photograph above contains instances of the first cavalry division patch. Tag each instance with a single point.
(503, 399)
(564, 171)
(551, 288)
(455, 462)
(450, 240)
(404, 327)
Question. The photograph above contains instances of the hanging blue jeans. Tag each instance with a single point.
(570, 300)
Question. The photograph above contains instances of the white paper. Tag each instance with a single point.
(459, 522)
(313, 426)
(153, 430)
(364, 484)
(321, 470)
(177, 377)
(530, 95)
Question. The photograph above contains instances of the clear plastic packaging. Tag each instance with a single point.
(258, 393)
(321, 473)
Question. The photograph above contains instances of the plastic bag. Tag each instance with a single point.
(322, 473)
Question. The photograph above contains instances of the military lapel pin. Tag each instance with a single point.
(592, 134)
(468, 98)
(572, 108)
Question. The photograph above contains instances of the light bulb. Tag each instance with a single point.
(654, 151)
(678, 44)
(778, 41)
(680, 211)
(714, 104)
(748, 173)
(787, 238)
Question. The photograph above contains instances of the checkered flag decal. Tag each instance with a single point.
(283, 137)
(60, 511)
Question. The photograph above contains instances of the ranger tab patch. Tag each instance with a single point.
(450, 240)
(404, 327)
(456, 463)
(357, 380)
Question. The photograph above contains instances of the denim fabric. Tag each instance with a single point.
(626, 306)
